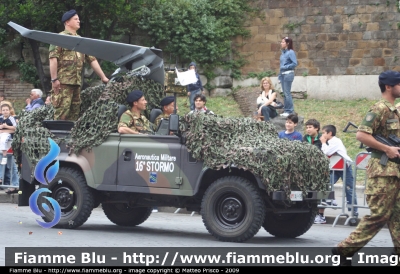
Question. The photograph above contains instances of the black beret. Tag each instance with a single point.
(135, 95)
(68, 15)
(167, 100)
(390, 77)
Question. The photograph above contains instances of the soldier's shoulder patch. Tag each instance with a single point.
(52, 47)
(368, 119)
(370, 116)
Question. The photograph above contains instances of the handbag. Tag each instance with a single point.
(277, 105)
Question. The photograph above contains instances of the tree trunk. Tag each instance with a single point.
(44, 81)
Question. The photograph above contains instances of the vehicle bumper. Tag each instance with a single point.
(311, 195)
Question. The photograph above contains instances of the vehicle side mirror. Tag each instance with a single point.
(174, 123)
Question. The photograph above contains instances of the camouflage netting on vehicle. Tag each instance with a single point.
(243, 142)
(30, 135)
(98, 118)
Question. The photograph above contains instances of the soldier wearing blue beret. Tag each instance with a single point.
(383, 183)
(133, 121)
(167, 105)
(65, 74)
(66, 16)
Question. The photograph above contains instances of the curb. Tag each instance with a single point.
(8, 198)
(341, 220)
(13, 199)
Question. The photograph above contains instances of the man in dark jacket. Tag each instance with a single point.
(194, 88)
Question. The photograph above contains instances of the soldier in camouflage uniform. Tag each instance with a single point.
(167, 105)
(383, 183)
(133, 121)
(66, 73)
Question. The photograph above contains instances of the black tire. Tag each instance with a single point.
(123, 215)
(72, 194)
(232, 209)
(289, 225)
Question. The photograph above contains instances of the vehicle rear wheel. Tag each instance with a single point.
(73, 195)
(289, 225)
(232, 209)
(123, 215)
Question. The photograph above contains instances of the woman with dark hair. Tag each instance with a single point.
(288, 62)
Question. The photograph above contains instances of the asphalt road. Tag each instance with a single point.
(19, 229)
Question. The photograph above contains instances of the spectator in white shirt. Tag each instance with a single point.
(333, 145)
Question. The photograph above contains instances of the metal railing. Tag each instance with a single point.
(8, 171)
(338, 164)
(361, 162)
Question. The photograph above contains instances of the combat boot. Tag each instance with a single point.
(343, 259)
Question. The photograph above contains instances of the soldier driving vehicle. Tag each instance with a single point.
(220, 167)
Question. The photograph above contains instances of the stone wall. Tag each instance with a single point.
(329, 87)
(12, 87)
(330, 37)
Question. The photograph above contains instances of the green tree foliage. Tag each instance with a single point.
(28, 73)
(199, 30)
(4, 61)
(101, 19)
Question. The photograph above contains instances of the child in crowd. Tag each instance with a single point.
(290, 133)
(313, 135)
(7, 128)
(333, 145)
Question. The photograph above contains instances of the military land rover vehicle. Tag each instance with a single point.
(130, 174)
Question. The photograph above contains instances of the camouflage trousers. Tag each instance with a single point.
(67, 102)
(383, 199)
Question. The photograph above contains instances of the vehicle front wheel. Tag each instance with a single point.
(123, 215)
(232, 209)
(72, 194)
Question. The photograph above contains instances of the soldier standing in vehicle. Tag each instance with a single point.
(383, 185)
(66, 72)
(167, 105)
(133, 121)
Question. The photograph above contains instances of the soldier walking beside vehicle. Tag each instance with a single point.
(383, 184)
(133, 121)
(66, 72)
